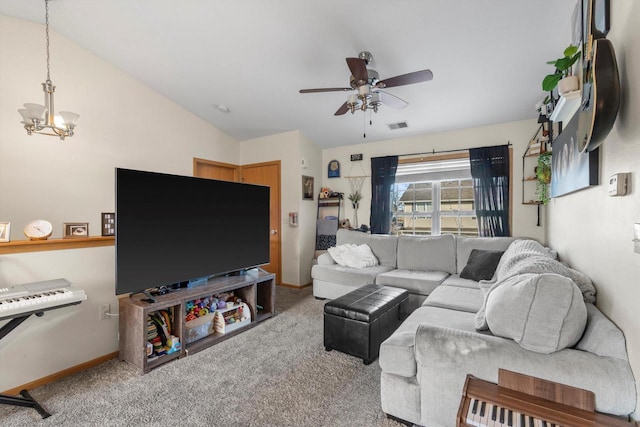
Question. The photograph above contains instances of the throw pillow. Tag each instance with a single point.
(481, 265)
(541, 312)
(355, 256)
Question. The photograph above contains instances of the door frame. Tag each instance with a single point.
(234, 168)
(277, 163)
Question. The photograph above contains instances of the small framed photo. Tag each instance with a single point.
(307, 187)
(108, 223)
(5, 231)
(74, 230)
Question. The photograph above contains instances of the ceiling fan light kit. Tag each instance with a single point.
(368, 84)
(40, 119)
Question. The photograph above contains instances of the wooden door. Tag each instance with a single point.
(268, 174)
(216, 170)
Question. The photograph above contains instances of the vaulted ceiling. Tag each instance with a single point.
(488, 58)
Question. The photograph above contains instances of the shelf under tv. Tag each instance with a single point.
(255, 288)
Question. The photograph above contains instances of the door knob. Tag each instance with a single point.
(274, 231)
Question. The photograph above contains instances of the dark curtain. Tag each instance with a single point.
(383, 176)
(490, 172)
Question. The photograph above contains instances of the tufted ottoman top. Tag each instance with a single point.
(367, 303)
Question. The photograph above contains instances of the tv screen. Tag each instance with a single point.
(171, 229)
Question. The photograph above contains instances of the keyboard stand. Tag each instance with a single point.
(25, 399)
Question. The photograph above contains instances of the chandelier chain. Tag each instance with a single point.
(46, 6)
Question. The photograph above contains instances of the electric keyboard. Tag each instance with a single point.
(30, 298)
(520, 400)
(18, 303)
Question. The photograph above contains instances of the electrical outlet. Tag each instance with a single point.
(103, 310)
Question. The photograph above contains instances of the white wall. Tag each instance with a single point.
(297, 243)
(122, 124)
(593, 231)
(308, 209)
(518, 133)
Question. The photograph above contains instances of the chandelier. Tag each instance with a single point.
(364, 100)
(41, 118)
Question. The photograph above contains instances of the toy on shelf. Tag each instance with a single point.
(217, 314)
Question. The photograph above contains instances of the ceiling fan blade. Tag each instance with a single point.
(392, 100)
(328, 89)
(358, 68)
(342, 110)
(406, 79)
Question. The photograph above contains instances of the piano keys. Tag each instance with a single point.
(37, 297)
(481, 413)
(522, 401)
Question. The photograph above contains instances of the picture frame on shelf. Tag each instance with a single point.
(75, 230)
(5, 232)
(108, 223)
(307, 187)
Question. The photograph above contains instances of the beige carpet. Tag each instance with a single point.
(276, 374)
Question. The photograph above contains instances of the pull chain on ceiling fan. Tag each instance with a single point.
(367, 83)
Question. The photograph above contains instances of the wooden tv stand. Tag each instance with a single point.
(255, 288)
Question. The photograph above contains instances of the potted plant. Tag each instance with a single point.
(355, 198)
(543, 175)
(562, 76)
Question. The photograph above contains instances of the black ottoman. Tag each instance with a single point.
(358, 322)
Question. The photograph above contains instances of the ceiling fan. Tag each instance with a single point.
(367, 83)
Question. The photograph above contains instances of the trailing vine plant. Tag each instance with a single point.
(543, 174)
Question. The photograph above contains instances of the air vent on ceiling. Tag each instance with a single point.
(399, 125)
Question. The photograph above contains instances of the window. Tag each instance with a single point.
(434, 197)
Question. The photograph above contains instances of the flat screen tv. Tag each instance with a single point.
(171, 229)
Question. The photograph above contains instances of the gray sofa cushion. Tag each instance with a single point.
(446, 355)
(347, 275)
(464, 246)
(416, 282)
(435, 253)
(397, 354)
(541, 312)
(455, 280)
(456, 298)
(383, 246)
(325, 259)
(601, 336)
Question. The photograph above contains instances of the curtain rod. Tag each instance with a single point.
(447, 151)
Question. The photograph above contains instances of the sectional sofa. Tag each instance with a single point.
(418, 264)
(534, 316)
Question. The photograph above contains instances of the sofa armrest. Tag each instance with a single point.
(325, 259)
(445, 356)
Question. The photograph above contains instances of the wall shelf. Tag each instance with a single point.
(566, 106)
(22, 246)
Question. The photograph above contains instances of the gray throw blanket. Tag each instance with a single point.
(529, 256)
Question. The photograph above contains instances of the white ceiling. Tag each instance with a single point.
(488, 57)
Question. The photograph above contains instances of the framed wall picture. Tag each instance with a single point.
(307, 187)
(333, 169)
(74, 230)
(5, 231)
(108, 223)
(572, 170)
